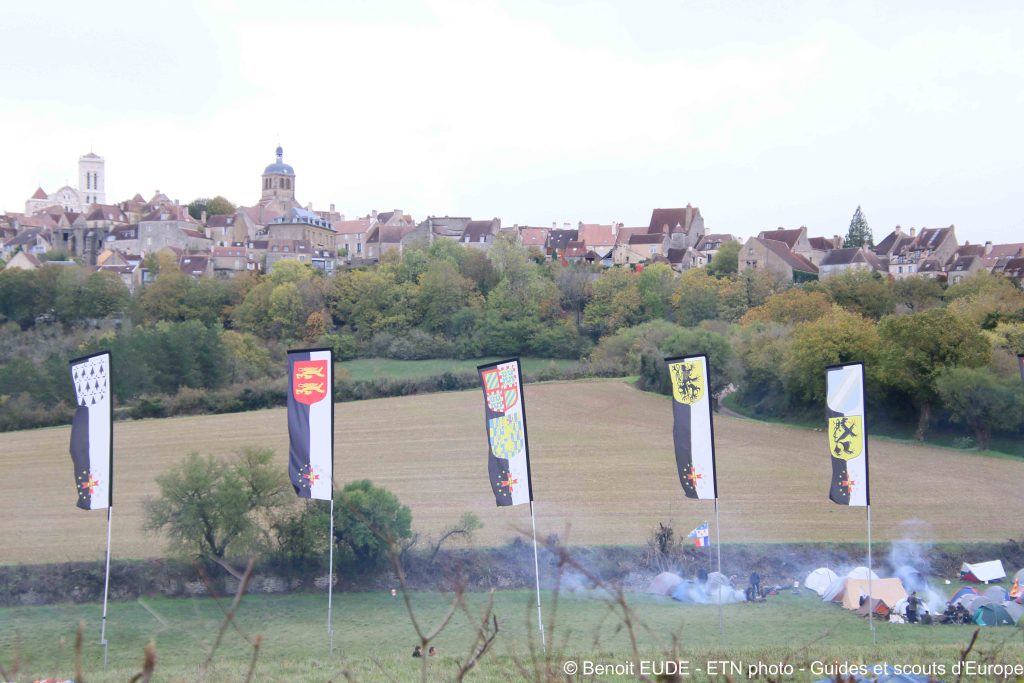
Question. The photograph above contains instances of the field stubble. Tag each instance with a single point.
(602, 467)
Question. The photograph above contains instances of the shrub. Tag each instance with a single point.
(369, 523)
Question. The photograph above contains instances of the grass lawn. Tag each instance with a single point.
(375, 368)
(374, 638)
(602, 466)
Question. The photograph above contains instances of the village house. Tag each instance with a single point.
(684, 227)
(850, 259)
(23, 260)
(195, 265)
(352, 237)
(129, 273)
(599, 238)
(772, 256)
(905, 252)
(300, 224)
(230, 260)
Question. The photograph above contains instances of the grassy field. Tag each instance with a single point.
(374, 368)
(603, 473)
(374, 639)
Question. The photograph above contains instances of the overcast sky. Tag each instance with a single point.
(761, 113)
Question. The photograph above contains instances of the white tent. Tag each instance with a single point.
(983, 572)
(664, 583)
(820, 579)
(862, 573)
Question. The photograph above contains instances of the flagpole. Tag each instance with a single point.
(871, 610)
(718, 544)
(106, 587)
(330, 581)
(536, 570)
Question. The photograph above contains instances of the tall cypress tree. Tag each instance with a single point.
(859, 234)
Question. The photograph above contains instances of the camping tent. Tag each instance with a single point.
(1015, 610)
(664, 583)
(992, 615)
(880, 608)
(820, 579)
(982, 572)
(962, 593)
(997, 593)
(889, 590)
(861, 573)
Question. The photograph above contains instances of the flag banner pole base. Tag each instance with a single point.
(330, 582)
(106, 591)
(536, 571)
(871, 569)
(718, 543)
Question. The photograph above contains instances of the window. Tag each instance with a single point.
(359, 248)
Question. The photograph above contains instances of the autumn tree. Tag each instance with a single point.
(920, 346)
(837, 337)
(792, 306)
(726, 259)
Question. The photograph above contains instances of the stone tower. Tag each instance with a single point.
(92, 182)
(278, 181)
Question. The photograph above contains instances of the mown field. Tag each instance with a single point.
(603, 473)
(374, 639)
(375, 368)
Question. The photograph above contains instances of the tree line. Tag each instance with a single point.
(218, 344)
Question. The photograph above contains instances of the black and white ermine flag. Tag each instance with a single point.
(847, 442)
(92, 438)
(692, 430)
(311, 422)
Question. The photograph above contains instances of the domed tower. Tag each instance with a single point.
(278, 181)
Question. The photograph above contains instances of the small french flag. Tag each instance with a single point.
(701, 537)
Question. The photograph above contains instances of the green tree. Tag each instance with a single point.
(370, 523)
(655, 286)
(863, 292)
(654, 374)
(218, 509)
(790, 307)
(441, 293)
(859, 234)
(980, 400)
(218, 206)
(920, 346)
(614, 303)
(695, 297)
(916, 294)
(837, 337)
(726, 260)
(287, 311)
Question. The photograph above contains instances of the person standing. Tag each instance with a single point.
(912, 604)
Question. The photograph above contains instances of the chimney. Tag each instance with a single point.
(332, 208)
(373, 213)
(988, 247)
(202, 216)
(913, 232)
(899, 231)
(554, 224)
(567, 225)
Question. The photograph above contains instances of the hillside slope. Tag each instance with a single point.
(603, 473)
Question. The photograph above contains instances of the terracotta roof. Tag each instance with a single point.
(1016, 249)
(929, 265)
(195, 233)
(596, 235)
(39, 194)
(893, 243)
(668, 220)
(533, 237)
(969, 250)
(961, 264)
(106, 212)
(575, 249)
(1015, 268)
(353, 227)
(787, 237)
(821, 243)
(791, 258)
(623, 235)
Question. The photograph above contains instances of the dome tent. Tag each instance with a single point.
(820, 579)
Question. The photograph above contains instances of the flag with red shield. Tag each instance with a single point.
(505, 420)
(311, 422)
